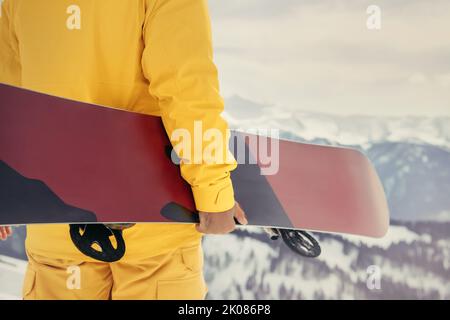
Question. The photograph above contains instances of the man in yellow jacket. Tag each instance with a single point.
(146, 56)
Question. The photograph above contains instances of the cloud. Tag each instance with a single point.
(418, 78)
(320, 54)
(251, 9)
(443, 80)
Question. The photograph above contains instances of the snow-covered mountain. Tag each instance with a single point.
(413, 261)
(338, 129)
(416, 179)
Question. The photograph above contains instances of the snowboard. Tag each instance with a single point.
(63, 161)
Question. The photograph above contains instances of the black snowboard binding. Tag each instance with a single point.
(301, 242)
(94, 240)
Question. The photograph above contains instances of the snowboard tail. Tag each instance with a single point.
(64, 161)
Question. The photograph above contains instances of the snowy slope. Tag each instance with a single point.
(11, 276)
(412, 265)
(395, 235)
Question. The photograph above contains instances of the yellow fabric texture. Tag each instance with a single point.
(171, 276)
(147, 56)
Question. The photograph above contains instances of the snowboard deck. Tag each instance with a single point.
(63, 161)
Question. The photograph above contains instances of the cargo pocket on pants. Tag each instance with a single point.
(192, 258)
(28, 284)
(193, 288)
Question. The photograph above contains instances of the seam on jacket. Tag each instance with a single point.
(149, 13)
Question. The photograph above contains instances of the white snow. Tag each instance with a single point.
(329, 285)
(334, 256)
(243, 265)
(12, 272)
(415, 277)
(395, 234)
(443, 216)
(249, 257)
(345, 130)
(4, 296)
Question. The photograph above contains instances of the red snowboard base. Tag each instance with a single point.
(63, 161)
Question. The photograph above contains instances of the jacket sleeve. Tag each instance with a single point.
(178, 62)
(10, 70)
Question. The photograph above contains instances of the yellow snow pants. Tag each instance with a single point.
(170, 276)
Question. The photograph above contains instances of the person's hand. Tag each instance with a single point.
(5, 232)
(221, 222)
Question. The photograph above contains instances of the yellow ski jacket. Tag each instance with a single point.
(146, 56)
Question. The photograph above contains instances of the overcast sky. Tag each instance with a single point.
(319, 55)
